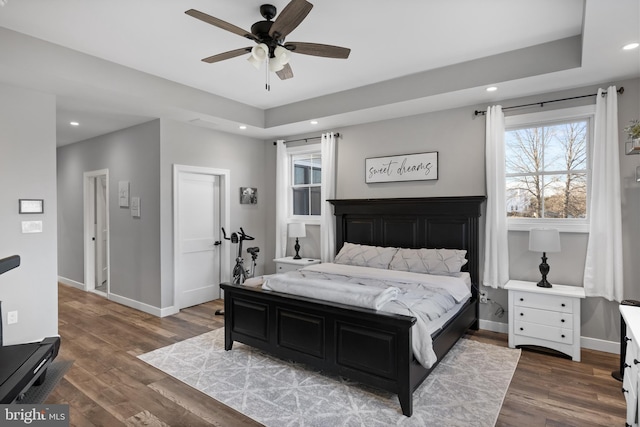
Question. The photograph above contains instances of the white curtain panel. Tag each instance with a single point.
(496, 250)
(603, 264)
(282, 199)
(327, 221)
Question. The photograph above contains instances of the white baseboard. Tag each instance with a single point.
(72, 283)
(600, 345)
(490, 325)
(585, 342)
(155, 311)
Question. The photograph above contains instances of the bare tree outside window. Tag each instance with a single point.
(546, 169)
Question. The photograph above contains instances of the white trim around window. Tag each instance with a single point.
(296, 151)
(565, 225)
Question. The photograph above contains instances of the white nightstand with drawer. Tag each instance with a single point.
(546, 317)
(289, 264)
(631, 316)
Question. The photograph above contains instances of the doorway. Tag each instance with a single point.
(96, 232)
(201, 208)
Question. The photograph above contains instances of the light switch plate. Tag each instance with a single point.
(32, 226)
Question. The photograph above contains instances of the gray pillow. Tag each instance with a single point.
(365, 256)
(443, 262)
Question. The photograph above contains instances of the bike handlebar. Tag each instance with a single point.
(241, 234)
(245, 236)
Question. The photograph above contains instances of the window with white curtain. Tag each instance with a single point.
(547, 169)
(305, 182)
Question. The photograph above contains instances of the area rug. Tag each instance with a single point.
(466, 389)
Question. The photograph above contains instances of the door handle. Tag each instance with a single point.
(217, 243)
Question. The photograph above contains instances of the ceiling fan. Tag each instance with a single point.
(269, 36)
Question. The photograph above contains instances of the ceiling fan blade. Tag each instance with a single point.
(220, 24)
(316, 49)
(227, 55)
(285, 73)
(290, 17)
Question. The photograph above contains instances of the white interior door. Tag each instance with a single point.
(96, 231)
(101, 233)
(198, 254)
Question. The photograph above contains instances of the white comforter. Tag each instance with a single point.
(423, 296)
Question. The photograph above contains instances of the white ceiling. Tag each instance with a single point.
(393, 46)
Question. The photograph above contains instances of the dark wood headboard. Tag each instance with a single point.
(435, 222)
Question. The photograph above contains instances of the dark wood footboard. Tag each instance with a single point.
(367, 346)
(360, 344)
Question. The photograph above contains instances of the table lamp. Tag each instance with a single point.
(544, 240)
(297, 229)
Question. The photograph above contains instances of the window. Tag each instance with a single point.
(547, 175)
(306, 172)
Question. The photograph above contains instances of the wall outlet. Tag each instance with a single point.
(12, 317)
(483, 297)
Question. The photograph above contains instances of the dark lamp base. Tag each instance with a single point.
(544, 270)
(297, 248)
(544, 283)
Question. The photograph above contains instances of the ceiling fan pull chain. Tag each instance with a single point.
(267, 85)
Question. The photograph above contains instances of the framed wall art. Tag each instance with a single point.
(406, 167)
(30, 206)
(248, 196)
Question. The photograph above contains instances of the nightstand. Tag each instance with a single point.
(631, 316)
(289, 264)
(546, 317)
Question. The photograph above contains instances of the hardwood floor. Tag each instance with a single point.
(108, 386)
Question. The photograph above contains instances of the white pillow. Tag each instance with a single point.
(443, 262)
(365, 256)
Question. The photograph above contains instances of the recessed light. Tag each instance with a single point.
(74, 123)
(492, 89)
(314, 122)
(243, 127)
(630, 46)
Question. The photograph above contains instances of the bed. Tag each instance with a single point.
(362, 344)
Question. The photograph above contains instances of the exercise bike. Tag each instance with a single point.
(240, 274)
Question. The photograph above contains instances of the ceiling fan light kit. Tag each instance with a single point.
(269, 36)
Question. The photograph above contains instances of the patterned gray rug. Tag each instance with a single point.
(466, 389)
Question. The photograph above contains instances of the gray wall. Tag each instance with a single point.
(132, 155)
(27, 170)
(459, 138)
(142, 249)
(246, 159)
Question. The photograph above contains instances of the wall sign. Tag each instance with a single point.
(123, 194)
(407, 167)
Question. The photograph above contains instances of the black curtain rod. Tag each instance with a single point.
(541, 104)
(337, 135)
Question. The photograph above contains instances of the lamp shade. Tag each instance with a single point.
(297, 229)
(281, 55)
(260, 52)
(544, 240)
(257, 63)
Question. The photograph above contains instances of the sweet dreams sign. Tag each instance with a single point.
(407, 167)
